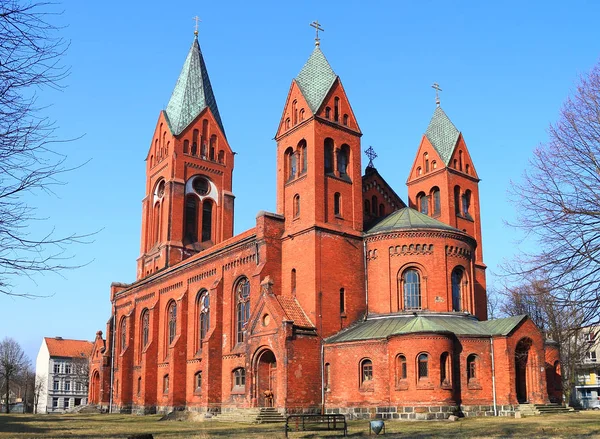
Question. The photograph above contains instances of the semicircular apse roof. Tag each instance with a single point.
(408, 218)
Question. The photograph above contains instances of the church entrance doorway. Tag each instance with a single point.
(95, 393)
(266, 379)
(522, 369)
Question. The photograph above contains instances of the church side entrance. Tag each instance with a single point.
(523, 369)
(95, 393)
(266, 379)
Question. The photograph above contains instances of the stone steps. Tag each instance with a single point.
(542, 409)
(251, 416)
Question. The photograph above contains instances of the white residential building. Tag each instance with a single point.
(62, 367)
(588, 372)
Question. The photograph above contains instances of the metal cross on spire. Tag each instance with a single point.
(437, 88)
(370, 152)
(196, 19)
(318, 28)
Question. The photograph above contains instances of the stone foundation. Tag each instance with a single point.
(421, 412)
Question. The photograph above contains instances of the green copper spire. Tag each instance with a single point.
(192, 93)
(315, 79)
(442, 134)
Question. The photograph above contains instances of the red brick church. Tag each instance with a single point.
(345, 300)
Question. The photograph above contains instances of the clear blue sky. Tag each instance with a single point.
(505, 68)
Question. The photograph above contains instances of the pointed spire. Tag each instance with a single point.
(442, 134)
(192, 93)
(315, 79)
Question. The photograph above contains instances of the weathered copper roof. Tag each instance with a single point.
(442, 134)
(315, 79)
(294, 312)
(192, 93)
(384, 327)
(60, 347)
(408, 218)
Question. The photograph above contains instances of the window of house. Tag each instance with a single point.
(591, 356)
(56, 385)
(56, 367)
(203, 315)
(294, 112)
(66, 403)
(342, 301)
(301, 114)
(78, 387)
(412, 289)
(207, 212)
(590, 337)
(123, 334)
(328, 152)
(467, 169)
(327, 376)
(67, 368)
(198, 381)
(401, 371)
(366, 372)
(287, 123)
(166, 384)
(195, 142)
(145, 327)
(419, 171)
(457, 200)
(172, 316)
(457, 280)
(186, 146)
(296, 206)
(460, 160)
(77, 402)
(67, 385)
(434, 165)
(426, 161)
(423, 366)
(337, 209)
(212, 147)
(243, 308)
(54, 403)
(472, 372)
(239, 377)
(466, 204)
(435, 195)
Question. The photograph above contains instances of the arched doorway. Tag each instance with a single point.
(266, 379)
(522, 369)
(95, 389)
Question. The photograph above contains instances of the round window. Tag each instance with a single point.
(160, 190)
(266, 319)
(201, 185)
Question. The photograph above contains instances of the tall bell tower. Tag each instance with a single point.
(319, 192)
(188, 205)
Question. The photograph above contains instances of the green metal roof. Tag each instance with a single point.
(442, 134)
(459, 324)
(315, 79)
(408, 218)
(192, 93)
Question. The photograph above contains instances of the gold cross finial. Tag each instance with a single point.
(318, 28)
(437, 95)
(197, 19)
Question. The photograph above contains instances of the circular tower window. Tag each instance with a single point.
(201, 185)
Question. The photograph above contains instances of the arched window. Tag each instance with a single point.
(337, 204)
(327, 376)
(374, 204)
(336, 109)
(207, 209)
(457, 200)
(433, 164)
(166, 383)
(287, 123)
(239, 377)
(557, 376)
(345, 120)
(293, 281)
(221, 157)
(186, 146)
(412, 289)
(296, 206)
(327, 112)
(466, 204)
(294, 112)
(195, 142)
(419, 171)
(435, 197)
(367, 206)
(301, 114)
(381, 210)
(423, 366)
(191, 218)
(213, 147)
(290, 157)
(172, 326)
(204, 138)
(342, 160)
(156, 222)
(423, 203)
(302, 150)
(123, 334)
(457, 280)
(198, 381)
(472, 366)
(328, 151)
(366, 372)
(401, 372)
(426, 161)
(445, 371)
(460, 160)
(145, 328)
(467, 169)
(242, 292)
(203, 307)
(139, 386)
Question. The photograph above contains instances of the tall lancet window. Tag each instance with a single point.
(457, 280)
(328, 155)
(243, 308)
(191, 218)
(412, 289)
(207, 210)
(145, 328)
(203, 315)
(172, 316)
(123, 334)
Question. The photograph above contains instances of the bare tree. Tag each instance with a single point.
(558, 205)
(30, 60)
(13, 361)
(39, 387)
(81, 369)
(559, 322)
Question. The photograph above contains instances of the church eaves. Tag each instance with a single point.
(315, 79)
(442, 134)
(192, 93)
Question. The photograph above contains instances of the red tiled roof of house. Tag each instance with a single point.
(60, 347)
(294, 312)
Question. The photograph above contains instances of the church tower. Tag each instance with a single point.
(188, 205)
(319, 192)
(443, 184)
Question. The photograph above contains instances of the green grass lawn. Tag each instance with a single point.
(574, 425)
